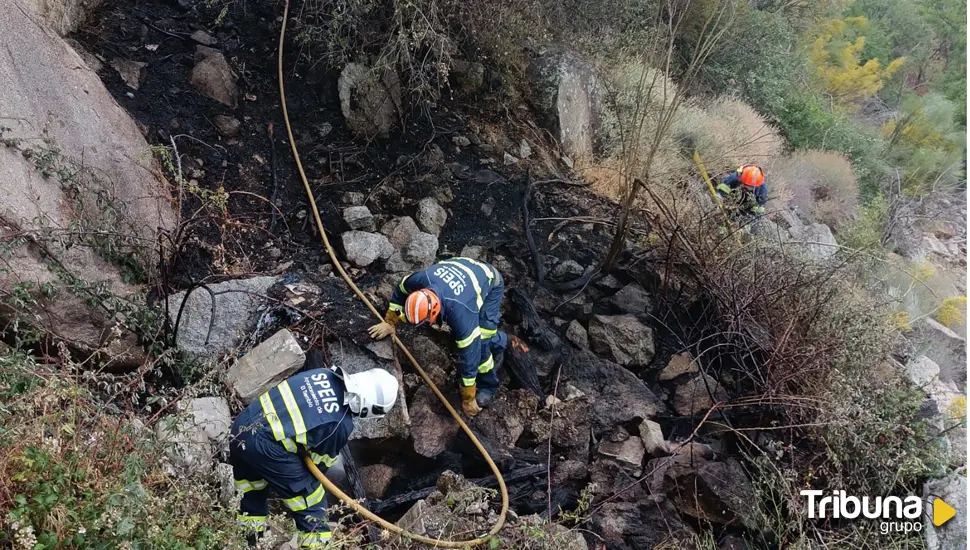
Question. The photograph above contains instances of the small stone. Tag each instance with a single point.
(567, 271)
(577, 334)
(131, 72)
(354, 198)
(694, 397)
(552, 401)
(227, 126)
(678, 365)
(475, 252)
(488, 206)
(692, 450)
(360, 218)
(572, 392)
(364, 248)
(213, 78)
(431, 216)
(629, 453)
(400, 230)
(461, 141)
(509, 160)
(443, 194)
(274, 253)
(525, 150)
(203, 38)
(653, 438)
(567, 161)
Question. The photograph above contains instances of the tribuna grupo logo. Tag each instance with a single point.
(897, 514)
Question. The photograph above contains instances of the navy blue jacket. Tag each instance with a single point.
(461, 285)
(730, 184)
(308, 410)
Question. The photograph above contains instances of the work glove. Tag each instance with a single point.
(386, 328)
(468, 403)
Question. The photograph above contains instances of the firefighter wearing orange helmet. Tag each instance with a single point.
(747, 187)
(467, 295)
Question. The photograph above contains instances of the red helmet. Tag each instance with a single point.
(751, 175)
(422, 306)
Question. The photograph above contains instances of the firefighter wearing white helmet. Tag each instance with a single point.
(311, 412)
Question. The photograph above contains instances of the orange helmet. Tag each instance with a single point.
(751, 175)
(422, 306)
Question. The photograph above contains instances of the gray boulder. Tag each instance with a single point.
(566, 271)
(364, 248)
(946, 348)
(236, 302)
(615, 395)
(432, 428)
(211, 415)
(694, 397)
(400, 230)
(569, 97)
(421, 250)
(632, 299)
(952, 535)
(431, 216)
(653, 438)
(369, 100)
(266, 365)
(577, 334)
(397, 422)
(359, 218)
(679, 364)
(716, 492)
(213, 77)
(628, 453)
(650, 522)
(815, 241)
(507, 417)
(622, 339)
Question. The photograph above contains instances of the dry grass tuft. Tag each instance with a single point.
(821, 184)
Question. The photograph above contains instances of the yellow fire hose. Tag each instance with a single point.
(333, 489)
(714, 197)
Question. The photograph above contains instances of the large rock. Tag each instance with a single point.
(432, 428)
(236, 302)
(364, 248)
(421, 250)
(653, 438)
(716, 492)
(397, 423)
(695, 396)
(196, 434)
(952, 535)
(376, 479)
(266, 365)
(922, 371)
(622, 339)
(370, 101)
(400, 230)
(431, 216)
(945, 347)
(651, 522)
(616, 396)
(507, 417)
(359, 218)
(632, 299)
(213, 77)
(815, 240)
(100, 174)
(569, 97)
(211, 415)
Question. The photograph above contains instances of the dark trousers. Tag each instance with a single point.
(494, 341)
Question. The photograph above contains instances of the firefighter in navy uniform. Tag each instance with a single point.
(311, 412)
(467, 294)
(746, 186)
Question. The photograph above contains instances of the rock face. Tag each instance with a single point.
(952, 535)
(432, 428)
(213, 77)
(265, 366)
(569, 97)
(431, 216)
(364, 248)
(718, 492)
(47, 90)
(694, 397)
(947, 348)
(816, 241)
(400, 230)
(616, 395)
(507, 417)
(622, 339)
(235, 304)
(370, 102)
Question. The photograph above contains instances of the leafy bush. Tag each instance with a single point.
(822, 185)
(75, 476)
(836, 55)
(926, 143)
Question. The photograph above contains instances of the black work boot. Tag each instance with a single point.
(485, 396)
(252, 539)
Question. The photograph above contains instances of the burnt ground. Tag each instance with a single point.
(215, 241)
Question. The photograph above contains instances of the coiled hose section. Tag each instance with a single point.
(333, 489)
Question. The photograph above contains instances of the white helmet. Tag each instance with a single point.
(369, 394)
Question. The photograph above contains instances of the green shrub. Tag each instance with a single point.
(78, 477)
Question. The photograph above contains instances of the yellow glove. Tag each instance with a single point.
(468, 403)
(386, 328)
